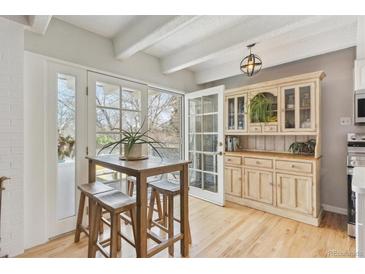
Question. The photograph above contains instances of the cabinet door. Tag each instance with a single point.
(294, 192)
(231, 113)
(298, 108)
(241, 112)
(306, 107)
(233, 180)
(259, 185)
(289, 98)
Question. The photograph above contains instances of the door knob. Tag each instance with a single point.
(221, 153)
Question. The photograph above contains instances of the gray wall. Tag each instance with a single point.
(337, 102)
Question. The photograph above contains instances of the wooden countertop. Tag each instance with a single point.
(271, 154)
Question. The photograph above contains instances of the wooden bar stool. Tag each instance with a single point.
(87, 191)
(131, 181)
(116, 203)
(169, 191)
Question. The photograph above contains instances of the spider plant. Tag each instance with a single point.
(303, 147)
(132, 137)
(260, 109)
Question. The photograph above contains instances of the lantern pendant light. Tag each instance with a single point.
(251, 64)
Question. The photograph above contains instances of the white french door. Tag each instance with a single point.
(113, 104)
(204, 143)
(66, 142)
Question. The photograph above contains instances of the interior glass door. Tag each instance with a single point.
(204, 135)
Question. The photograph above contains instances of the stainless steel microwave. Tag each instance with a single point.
(359, 107)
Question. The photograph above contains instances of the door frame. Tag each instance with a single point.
(216, 198)
(57, 227)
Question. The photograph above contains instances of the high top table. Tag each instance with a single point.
(141, 170)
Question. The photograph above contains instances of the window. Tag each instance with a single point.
(116, 108)
(164, 121)
(66, 119)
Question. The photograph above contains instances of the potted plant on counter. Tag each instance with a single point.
(134, 142)
(305, 148)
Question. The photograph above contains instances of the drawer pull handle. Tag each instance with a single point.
(228, 160)
(293, 166)
(258, 162)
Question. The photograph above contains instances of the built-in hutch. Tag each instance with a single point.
(262, 173)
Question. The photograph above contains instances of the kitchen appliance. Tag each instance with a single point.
(355, 158)
(359, 108)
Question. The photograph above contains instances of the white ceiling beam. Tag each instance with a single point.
(39, 23)
(255, 30)
(318, 44)
(147, 32)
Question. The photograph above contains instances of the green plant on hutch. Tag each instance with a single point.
(261, 109)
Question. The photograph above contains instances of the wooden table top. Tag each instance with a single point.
(133, 167)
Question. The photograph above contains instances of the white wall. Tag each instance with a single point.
(69, 43)
(34, 151)
(11, 135)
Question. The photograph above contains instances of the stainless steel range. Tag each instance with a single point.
(355, 158)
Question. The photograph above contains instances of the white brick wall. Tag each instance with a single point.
(12, 136)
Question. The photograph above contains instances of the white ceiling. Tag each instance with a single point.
(201, 28)
(104, 25)
(213, 46)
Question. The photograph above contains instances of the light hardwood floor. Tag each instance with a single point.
(236, 231)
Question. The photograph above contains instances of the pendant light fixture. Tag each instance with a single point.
(251, 64)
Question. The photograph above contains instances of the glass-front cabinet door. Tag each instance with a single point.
(298, 108)
(241, 109)
(263, 111)
(231, 119)
(289, 108)
(236, 118)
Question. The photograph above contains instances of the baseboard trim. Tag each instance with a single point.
(334, 209)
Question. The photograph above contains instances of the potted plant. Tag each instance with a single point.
(134, 141)
(261, 109)
(303, 147)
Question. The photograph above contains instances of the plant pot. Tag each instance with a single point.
(135, 153)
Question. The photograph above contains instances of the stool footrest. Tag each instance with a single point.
(154, 250)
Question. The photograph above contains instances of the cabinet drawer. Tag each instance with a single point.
(271, 128)
(294, 166)
(254, 129)
(258, 162)
(233, 160)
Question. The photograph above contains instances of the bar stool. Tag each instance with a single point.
(87, 191)
(131, 181)
(169, 191)
(116, 203)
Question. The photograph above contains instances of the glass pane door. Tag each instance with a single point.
(231, 114)
(204, 143)
(113, 105)
(305, 107)
(289, 104)
(241, 112)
